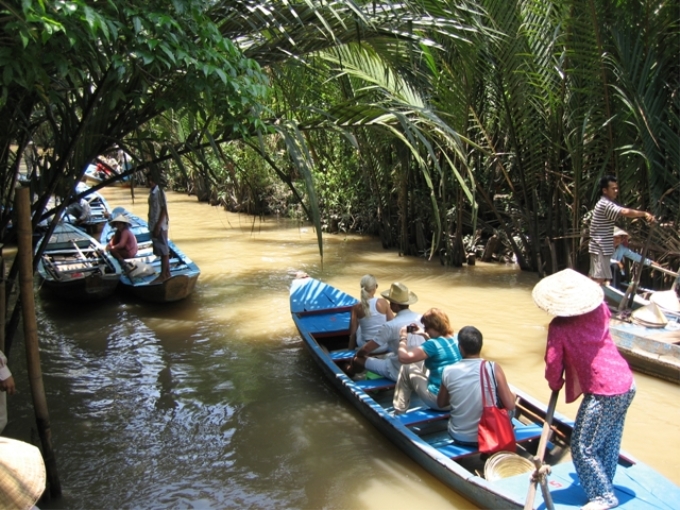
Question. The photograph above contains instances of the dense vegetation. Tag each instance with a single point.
(430, 123)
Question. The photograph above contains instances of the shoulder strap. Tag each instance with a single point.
(484, 381)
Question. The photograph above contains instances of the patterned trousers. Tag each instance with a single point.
(596, 442)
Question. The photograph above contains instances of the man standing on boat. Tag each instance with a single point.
(387, 339)
(601, 245)
(158, 225)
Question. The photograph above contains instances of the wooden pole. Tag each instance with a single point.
(25, 254)
(629, 296)
(539, 475)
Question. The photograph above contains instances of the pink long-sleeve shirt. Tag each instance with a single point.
(582, 354)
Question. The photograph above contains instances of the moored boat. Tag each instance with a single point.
(75, 266)
(650, 350)
(141, 281)
(322, 316)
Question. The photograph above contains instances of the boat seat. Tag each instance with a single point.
(420, 415)
(382, 383)
(456, 451)
(523, 432)
(342, 355)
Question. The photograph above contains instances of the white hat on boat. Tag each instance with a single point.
(620, 232)
(567, 293)
(121, 219)
(22, 474)
(649, 315)
(400, 294)
(666, 299)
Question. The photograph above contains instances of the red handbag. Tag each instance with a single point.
(495, 432)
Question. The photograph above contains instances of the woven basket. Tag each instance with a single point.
(506, 464)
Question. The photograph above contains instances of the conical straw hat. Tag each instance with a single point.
(650, 315)
(666, 299)
(22, 474)
(567, 293)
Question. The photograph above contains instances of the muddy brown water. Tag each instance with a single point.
(213, 402)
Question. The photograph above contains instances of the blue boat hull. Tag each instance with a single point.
(322, 313)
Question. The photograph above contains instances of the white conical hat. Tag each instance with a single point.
(666, 299)
(567, 293)
(22, 474)
(650, 315)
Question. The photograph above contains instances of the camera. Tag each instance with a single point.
(412, 328)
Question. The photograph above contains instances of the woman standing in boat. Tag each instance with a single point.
(582, 356)
(438, 351)
(123, 244)
(369, 314)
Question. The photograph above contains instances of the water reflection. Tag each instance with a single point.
(213, 402)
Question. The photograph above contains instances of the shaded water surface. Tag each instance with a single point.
(213, 402)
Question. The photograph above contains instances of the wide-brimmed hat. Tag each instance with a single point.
(121, 219)
(666, 299)
(567, 293)
(649, 315)
(399, 294)
(620, 232)
(22, 474)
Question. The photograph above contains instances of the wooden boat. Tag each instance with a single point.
(100, 211)
(75, 266)
(614, 296)
(184, 272)
(653, 351)
(322, 315)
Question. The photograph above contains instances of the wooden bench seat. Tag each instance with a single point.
(342, 355)
(382, 383)
(523, 433)
(421, 416)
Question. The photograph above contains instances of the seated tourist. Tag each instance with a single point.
(387, 339)
(439, 351)
(461, 388)
(369, 314)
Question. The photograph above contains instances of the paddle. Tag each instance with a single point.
(538, 459)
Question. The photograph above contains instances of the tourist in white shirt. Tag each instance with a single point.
(400, 299)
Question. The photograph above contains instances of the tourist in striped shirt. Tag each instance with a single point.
(601, 244)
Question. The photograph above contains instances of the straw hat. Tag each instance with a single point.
(506, 464)
(400, 294)
(22, 474)
(567, 293)
(121, 219)
(620, 232)
(666, 299)
(649, 315)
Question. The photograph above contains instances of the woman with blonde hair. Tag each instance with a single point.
(369, 314)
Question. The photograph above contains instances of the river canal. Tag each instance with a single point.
(214, 403)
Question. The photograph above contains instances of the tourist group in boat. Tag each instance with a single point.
(423, 355)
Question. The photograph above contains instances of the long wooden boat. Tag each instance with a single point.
(322, 315)
(184, 272)
(614, 296)
(653, 351)
(75, 266)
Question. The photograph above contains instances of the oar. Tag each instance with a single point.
(538, 459)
